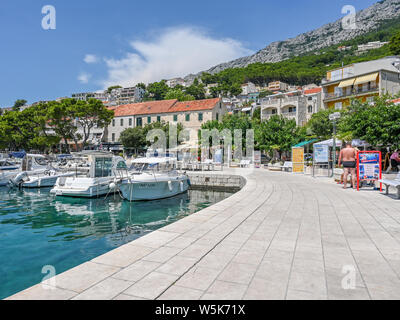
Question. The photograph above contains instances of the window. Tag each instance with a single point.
(158, 118)
(113, 137)
(175, 117)
(200, 117)
(130, 122)
(122, 122)
(310, 109)
(113, 123)
(338, 105)
(187, 117)
(217, 116)
(309, 98)
(148, 119)
(139, 122)
(103, 167)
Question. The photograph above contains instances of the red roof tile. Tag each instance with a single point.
(196, 105)
(142, 108)
(313, 91)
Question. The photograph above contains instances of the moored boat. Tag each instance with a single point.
(154, 179)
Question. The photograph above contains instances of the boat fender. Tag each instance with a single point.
(181, 186)
(170, 185)
(112, 186)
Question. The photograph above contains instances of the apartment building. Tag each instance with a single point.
(277, 86)
(370, 45)
(248, 88)
(298, 105)
(120, 96)
(191, 114)
(363, 81)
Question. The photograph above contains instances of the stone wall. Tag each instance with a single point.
(216, 181)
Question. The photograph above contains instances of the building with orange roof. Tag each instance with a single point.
(191, 114)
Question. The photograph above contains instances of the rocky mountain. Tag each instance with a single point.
(367, 20)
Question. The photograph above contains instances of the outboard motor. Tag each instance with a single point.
(19, 179)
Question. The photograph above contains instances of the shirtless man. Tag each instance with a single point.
(348, 157)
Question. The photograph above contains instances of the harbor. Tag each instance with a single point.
(282, 236)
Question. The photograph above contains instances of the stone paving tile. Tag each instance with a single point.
(151, 286)
(177, 265)
(104, 290)
(43, 292)
(123, 256)
(181, 293)
(84, 276)
(137, 270)
(162, 255)
(282, 236)
(123, 296)
(199, 278)
(221, 290)
(238, 273)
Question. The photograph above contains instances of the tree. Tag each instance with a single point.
(178, 94)
(133, 138)
(141, 85)
(157, 90)
(279, 134)
(394, 44)
(90, 114)
(18, 104)
(378, 123)
(320, 125)
(112, 88)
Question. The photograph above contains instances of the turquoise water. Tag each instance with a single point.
(37, 229)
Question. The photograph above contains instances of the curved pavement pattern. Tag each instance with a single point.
(283, 236)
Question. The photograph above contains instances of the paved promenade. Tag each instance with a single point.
(282, 236)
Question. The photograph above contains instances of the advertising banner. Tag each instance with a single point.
(369, 166)
(321, 154)
(257, 159)
(298, 160)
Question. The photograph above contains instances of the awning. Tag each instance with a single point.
(367, 78)
(304, 143)
(246, 109)
(347, 83)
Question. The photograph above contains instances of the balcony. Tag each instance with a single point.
(359, 91)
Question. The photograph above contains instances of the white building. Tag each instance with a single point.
(172, 83)
(248, 88)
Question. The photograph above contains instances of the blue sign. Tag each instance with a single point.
(321, 153)
(369, 165)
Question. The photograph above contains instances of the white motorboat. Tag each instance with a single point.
(37, 172)
(103, 174)
(154, 179)
(8, 170)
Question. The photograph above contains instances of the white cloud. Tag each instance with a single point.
(91, 58)
(84, 77)
(175, 52)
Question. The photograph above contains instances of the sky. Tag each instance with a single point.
(96, 43)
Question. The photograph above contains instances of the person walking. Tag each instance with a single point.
(347, 157)
(395, 160)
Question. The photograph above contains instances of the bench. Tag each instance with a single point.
(287, 166)
(392, 183)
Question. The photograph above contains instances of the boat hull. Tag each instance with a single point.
(82, 187)
(134, 190)
(44, 181)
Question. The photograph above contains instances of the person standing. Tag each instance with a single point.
(347, 157)
(395, 160)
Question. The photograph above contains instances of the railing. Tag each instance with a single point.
(279, 101)
(351, 93)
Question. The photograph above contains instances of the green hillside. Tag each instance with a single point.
(308, 68)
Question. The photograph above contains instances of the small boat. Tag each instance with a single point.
(37, 172)
(155, 178)
(8, 165)
(100, 178)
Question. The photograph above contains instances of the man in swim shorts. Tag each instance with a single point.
(348, 158)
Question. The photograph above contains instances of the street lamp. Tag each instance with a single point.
(334, 117)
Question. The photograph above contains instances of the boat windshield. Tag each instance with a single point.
(103, 167)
